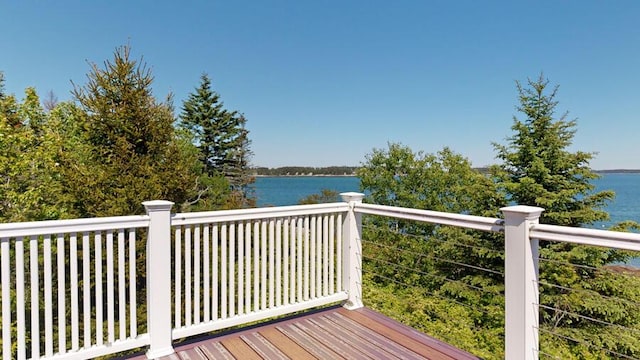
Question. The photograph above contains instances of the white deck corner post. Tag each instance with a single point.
(521, 283)
(352, 251)
(159, 278)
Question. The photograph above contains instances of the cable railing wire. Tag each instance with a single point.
(429, 292)
(540, 352)
(422, 237)
(590, 345)
(579, 266)
(397, 266)
(587, 291)
(434, 258)
(584, 317)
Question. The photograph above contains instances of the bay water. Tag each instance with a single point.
(289, 190)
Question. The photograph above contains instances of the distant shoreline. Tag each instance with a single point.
(307, 175)
(611, 171)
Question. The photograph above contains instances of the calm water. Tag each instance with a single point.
(278, 191)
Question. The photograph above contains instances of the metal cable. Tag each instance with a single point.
(434, 258)
(431, 275)
(429, 292)
(422, 237)
(590, 345)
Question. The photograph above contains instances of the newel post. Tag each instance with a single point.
(521, 283)
(159, 278)
(352, 251)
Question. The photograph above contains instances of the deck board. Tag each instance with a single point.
(332, 333)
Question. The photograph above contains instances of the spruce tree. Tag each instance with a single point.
(135, 153)
(221, 137)
(583, 302)
(537, 168)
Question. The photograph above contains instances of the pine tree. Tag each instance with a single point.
(537, 168)
(222, 138)
(135, 152)
(576, 286)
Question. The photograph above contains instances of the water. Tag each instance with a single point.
(626, 205)
(280, 191)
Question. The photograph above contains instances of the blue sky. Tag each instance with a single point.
(324, 82)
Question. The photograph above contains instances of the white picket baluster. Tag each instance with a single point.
(6, 299)
(332, 253)
(188, 311)
(177, 286)
(240, 268)
(285, 262)
(313, 257)
(263, 267)
(133, 303)
(231, 254)
(247, 266)
(196, 274)
(75, 321)
(256, 265)
(122, 298)
(20, 316)
(86, 288)
(272, 260)
(207, 273)
(98, 277)
(214, 268)
(35, 297)
(223, 272)
(110, 290)
(278, 260)
(48, 306)
(305, 234)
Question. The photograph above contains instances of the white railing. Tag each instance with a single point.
(239, 266)
(212, 270)
(55, 295)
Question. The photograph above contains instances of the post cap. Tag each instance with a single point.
(352, 196)
(157, 205)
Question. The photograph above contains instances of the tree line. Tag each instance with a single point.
(305, 171)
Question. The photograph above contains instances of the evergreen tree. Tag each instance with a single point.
(538, 170)
(222, 138)
(135, 154)
(581, 298)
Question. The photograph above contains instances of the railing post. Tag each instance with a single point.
(521, 283)
(159, 278)
(352, 251)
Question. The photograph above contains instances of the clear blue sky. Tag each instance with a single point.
(324, 82)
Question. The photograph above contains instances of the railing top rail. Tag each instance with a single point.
(257, 213)
(434, 217)
(595, 237)
(35, 228)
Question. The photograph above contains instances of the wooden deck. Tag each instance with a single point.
(333, 333)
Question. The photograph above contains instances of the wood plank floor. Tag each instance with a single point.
(333, 333)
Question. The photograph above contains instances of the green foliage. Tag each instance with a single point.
(589, 309)
(222, 140)
(538, 170)
(441, 182)
(28, 163)
(133, 153)
(420, 263)
(325, 196)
